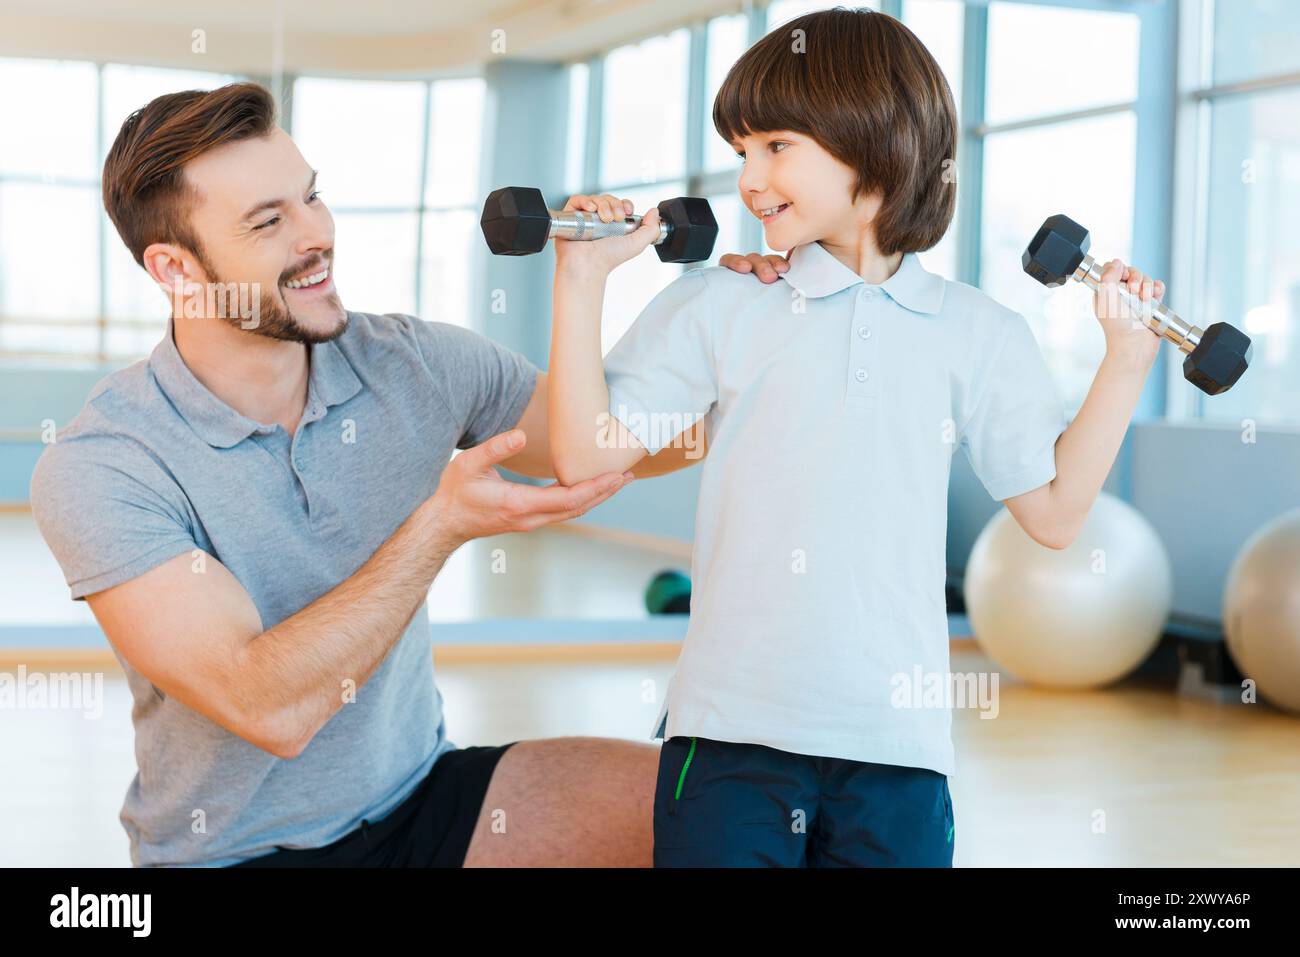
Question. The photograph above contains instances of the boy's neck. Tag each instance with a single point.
(860, 253)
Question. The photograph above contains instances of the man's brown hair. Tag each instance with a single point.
(868, 91)
(145, 191)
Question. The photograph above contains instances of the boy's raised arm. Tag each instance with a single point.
(585, 439)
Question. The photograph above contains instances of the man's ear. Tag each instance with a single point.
(167, 263)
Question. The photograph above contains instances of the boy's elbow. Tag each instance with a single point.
(575, 462)
(573, 472)
(569, 470)
(1059, 537)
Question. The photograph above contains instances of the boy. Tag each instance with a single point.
(833, 402)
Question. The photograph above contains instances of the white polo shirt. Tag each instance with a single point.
(832, 408)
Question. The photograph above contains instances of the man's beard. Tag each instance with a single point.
(274, 320)
(277, 322)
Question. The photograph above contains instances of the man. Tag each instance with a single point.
(255, 515)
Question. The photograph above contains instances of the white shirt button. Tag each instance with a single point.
(860, 375)
(864, 332)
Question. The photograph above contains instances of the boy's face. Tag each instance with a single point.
(260, 221)
(799, 191)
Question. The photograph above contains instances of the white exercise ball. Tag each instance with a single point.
(1076, 617)
(1261, 611)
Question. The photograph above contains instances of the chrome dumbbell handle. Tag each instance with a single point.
(580, 226)
(1157, 317)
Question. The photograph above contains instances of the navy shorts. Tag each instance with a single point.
(722, 804)
(432, 827)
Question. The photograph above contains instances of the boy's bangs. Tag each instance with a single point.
(761, 96)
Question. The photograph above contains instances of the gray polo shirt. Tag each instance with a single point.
(156, 466)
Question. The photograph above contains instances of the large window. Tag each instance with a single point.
(940, 25)
(1049, 96)
(1239, 134)
(405, 211)
(725, 40)
(69, 289)
(48, 202)
(642, 156)
(1064, 143)
(1057, 115)
(643, 127)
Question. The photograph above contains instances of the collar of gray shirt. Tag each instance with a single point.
(331, 381)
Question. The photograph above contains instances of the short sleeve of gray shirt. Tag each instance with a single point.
(486, 385)
(108, 510)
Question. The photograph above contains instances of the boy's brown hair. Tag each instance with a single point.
(868, 91)
(145, 192)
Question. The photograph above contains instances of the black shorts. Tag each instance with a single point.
(731, 804)
(431, 828)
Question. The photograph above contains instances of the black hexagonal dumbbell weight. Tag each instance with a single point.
(1217, 357)
(517, 222)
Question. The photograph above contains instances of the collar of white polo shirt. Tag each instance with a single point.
(816, 273)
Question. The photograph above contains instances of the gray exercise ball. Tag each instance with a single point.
(1261, 610)
(1077, 617)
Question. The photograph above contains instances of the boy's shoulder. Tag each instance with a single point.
(729, 280)
(977, 319)
(726, 287)
(969, 302)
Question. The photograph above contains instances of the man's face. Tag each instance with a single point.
(798, 190)
(260, 220)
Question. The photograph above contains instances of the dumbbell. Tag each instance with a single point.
(1217, 356)
(517, 222)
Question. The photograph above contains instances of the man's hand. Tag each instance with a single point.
(475, 501)
(766, 268)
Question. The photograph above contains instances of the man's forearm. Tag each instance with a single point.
(579, 397)
(297, 672)
(1086, 451)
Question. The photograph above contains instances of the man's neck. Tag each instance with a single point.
(260, 378)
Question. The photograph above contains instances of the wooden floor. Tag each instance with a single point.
(1178, 782)
(1130, 776)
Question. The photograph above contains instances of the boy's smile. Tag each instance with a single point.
(767, 215)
